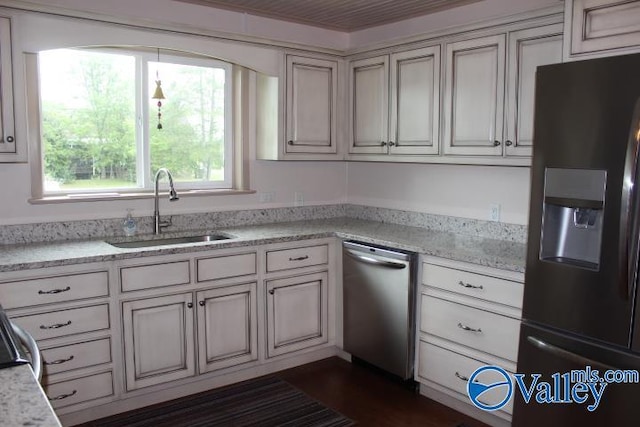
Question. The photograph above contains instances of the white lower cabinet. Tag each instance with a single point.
(469, 317)
(160, 334)
(297, 313)
(67, 310)
(227, 326)
(159, 340)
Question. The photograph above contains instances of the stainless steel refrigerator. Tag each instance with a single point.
(581, 282)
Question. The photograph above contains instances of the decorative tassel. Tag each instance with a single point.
(159, 96)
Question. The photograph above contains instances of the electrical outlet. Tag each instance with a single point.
(267, 197)
(494, 212)
(298, 198)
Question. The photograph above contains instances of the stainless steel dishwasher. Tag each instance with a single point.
(379, 291)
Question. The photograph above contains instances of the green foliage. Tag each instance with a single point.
(95, 137)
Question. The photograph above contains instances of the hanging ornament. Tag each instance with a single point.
(158, 95)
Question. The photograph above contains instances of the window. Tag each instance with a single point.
(99, 123)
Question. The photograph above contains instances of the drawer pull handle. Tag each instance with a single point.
(469, 285)
(56, 326)
(461, 377)
(63, 396)
(59, 361)
(467, 328)
(300, 258)
(54, 291)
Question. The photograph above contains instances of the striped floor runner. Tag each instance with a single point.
(263, 402)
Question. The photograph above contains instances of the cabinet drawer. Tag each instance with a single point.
(76, 356)
(297, 257)
(221, 267)
(47, 290)
(65, 322)
(155, 276)
(451, 370)
(474, 285)
(71, 392)
(479, 329)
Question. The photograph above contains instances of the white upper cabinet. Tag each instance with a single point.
(415, 101)
(7, 132)
(370, 105)
(528, 49)
(474, 96)
(490, 91)
(312, 92)
(602, 27)
(395, 103)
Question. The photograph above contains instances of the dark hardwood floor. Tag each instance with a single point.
(370, 398)
(364, 395)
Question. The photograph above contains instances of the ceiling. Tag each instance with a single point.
(341, 15)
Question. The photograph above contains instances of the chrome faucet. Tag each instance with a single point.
(173, 196)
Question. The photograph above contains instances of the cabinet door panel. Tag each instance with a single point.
(415, 101)
(7, 131)
(159, 340)
(227, 326)
(474, 92)
(311, 105)
(369, 105)
(296, 313)
(598, 25)
(528, 49)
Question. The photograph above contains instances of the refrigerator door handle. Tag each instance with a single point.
(565, 354)
(628, 242)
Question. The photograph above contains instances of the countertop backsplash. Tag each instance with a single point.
(101, 228)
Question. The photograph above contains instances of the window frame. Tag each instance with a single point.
(143, 127)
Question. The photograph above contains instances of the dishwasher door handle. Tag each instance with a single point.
(368, 260)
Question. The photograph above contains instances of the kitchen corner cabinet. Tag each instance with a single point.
(601, 27)
(395, 103)
(8, 148)
(469, 316)
(489, 91)
(311, 106)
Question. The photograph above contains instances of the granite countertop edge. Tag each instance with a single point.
(493, 253)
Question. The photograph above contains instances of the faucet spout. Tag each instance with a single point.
(173, 196)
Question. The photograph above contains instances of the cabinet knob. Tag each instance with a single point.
(201, 303)
(496, 143)
(272, 291)
(9, 139)
(391, 143)
(190, 304)
(290, 142)
(383, 144)
(508, 143)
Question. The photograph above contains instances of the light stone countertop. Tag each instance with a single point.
(500, 254)
(22, 400)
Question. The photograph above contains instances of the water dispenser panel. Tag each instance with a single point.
(573, 216)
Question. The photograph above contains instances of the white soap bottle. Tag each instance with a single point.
(129, 225)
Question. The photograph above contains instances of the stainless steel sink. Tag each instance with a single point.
(170, 241)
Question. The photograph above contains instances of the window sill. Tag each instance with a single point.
(103, 197)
